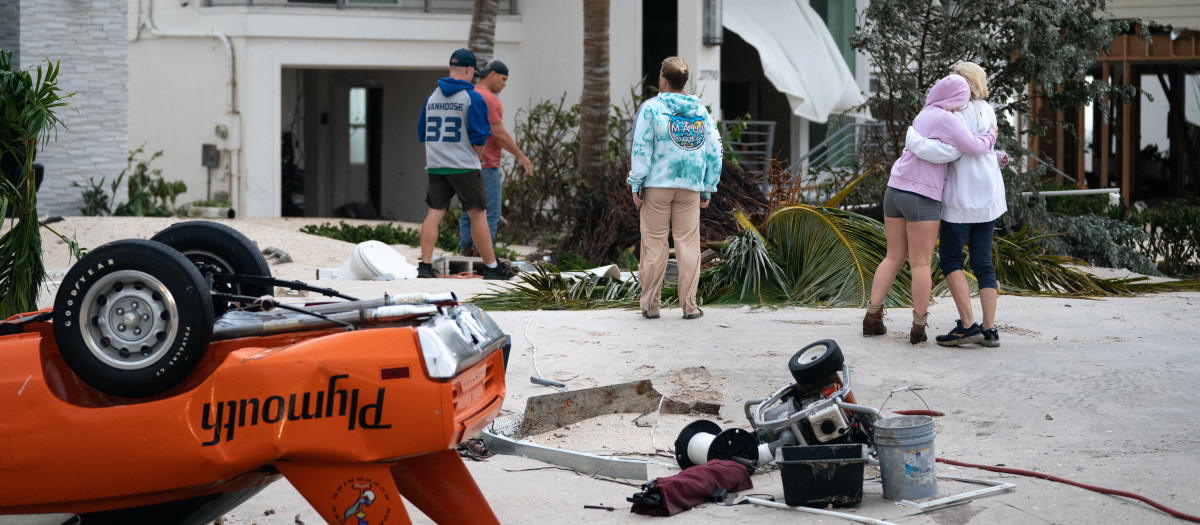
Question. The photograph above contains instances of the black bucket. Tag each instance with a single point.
(823, 475)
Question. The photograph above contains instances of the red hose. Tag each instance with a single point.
(1093, 488)
(918, 412)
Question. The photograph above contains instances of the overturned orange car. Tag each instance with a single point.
(164, 387)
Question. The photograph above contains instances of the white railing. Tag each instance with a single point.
(427, 6)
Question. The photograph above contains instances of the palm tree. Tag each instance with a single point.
(594, 103)
(27, 118)
(482, 40)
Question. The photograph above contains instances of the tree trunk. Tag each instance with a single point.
(482, 40)
(594, 103)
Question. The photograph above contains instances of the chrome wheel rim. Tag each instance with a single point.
(129, 319)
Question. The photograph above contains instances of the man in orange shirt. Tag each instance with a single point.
(492, 80)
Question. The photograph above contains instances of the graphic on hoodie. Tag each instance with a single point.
(675, 145)
(687, 132)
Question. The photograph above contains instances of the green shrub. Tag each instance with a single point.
(148, 194)
(539, 206)
(388, 234)
(1102, 241)
(1171, 234)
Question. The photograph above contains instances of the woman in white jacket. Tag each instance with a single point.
(972, 200)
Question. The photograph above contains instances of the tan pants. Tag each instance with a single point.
(677, 211)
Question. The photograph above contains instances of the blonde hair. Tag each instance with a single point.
(675, 70)
(976, 78)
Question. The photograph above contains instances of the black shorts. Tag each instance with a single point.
(468, 186)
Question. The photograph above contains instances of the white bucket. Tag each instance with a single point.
(374, 259)
(906, 457)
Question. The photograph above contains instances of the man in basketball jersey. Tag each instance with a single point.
(454, 127)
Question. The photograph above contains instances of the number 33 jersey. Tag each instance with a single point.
(453, 120)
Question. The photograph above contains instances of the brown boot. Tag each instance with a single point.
(917, 334)
(873, 321)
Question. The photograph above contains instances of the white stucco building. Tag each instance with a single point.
(344, 79)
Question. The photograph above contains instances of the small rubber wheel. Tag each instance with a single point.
(816, 362)
(223, 248)
(133, 318)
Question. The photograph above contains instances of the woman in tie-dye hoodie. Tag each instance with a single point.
(675, 167)
(912, 204)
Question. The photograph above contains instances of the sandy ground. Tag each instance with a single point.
(1098, 391)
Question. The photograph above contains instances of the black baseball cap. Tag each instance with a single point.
(463, 58)
(495, 65)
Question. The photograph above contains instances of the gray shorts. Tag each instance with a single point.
(913, 207)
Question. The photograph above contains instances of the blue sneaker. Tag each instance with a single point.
(961, 336)
(991, 338)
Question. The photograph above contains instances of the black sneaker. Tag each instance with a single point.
(991, 338)
(426, 271)
(961, 336)
(501, 272)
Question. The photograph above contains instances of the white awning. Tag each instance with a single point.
(798, 54)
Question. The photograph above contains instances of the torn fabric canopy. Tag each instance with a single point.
(798, 54)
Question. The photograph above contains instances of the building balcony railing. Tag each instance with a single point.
(426, 6)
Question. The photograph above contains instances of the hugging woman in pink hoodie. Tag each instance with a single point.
(912, 204)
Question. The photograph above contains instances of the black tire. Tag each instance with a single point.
(133, 318)
(213, 243)
(816, 362)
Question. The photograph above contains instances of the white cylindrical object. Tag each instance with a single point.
(697, 448)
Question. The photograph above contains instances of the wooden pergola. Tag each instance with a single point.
(1128, 58)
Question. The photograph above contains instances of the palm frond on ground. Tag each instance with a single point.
(1023, 267)
(748, 273)
(830, 255)
(547, 289)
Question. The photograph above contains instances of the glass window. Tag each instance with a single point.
(358, 125)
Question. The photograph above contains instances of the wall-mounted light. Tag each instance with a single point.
(713, 28)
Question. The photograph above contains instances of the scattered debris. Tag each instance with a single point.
(712, 481)
(599, 507)
(590, 464)
(268, 512)
(993, 488)
(279, 256)
(551, 411)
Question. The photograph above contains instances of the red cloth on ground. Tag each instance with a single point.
(694, 486)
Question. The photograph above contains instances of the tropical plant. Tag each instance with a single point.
(1101, 241)
(148, 194)
(28, 105)
(1172, 232)
(543, 204)
(809, 255)
(1024, 267)
(548, 289)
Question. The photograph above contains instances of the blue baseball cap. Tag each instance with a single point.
(463, 58)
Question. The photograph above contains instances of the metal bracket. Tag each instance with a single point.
(996, 487)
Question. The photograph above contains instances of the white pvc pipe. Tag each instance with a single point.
(764, 454)
(843, 515)
(1055, 193)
